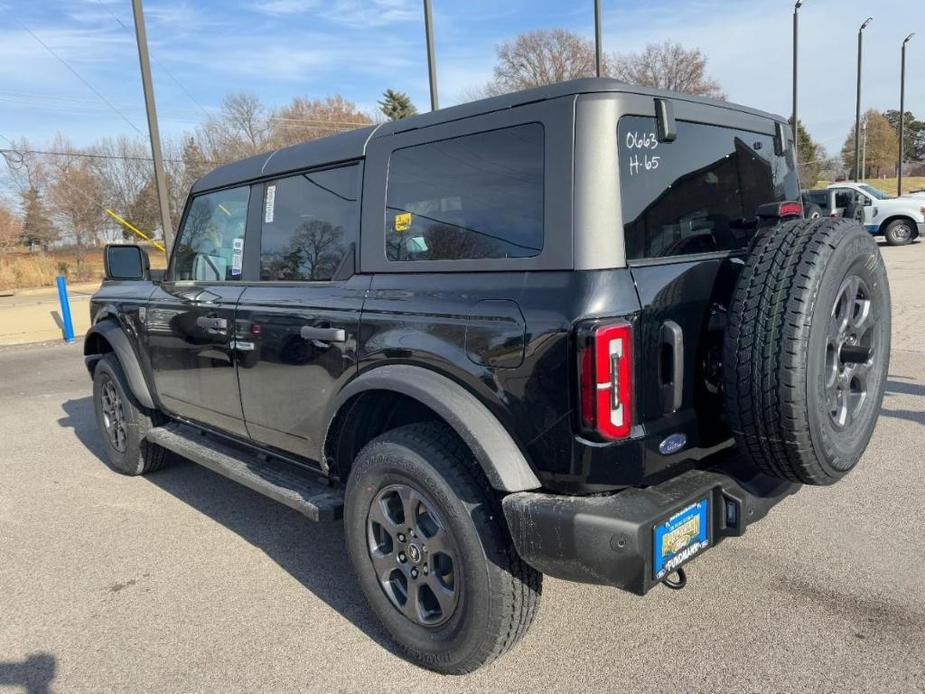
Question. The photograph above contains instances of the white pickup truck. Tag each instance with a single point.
(899, 220)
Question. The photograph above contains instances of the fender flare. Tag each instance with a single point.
(113, 333)
(495, 450)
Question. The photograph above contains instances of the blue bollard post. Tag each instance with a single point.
(65, 309)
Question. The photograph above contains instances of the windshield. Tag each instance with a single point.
(873, 192)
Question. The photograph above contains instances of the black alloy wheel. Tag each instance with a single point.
(113, 414)
(414, 555)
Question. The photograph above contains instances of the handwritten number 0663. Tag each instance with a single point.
(635, 140)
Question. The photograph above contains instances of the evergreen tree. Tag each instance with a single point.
(37, 228)
(811, 156)
(913, 134)
(396, 105)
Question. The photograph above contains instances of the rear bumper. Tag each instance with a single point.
(609, 540)
(921, 228)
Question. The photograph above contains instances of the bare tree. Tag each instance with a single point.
(240, 130)
(30, 176)
(309, 119)
(126, 177)
(542, 57)
(10, 228)
(245, 127)
(74, 191)
(65, 195)
(667, 66)
(880, 151)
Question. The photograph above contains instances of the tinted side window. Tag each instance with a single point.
(309, 221)
(700, 193)
(820, 198)
(844, 197)
(476, 196)
(211, 244)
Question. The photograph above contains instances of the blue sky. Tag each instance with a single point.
(278, 49)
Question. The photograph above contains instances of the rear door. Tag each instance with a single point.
(190, 318)
(689, 211)
(844, 199)
(297, 326)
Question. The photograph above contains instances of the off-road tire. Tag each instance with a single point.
(137, 456)
(778, 346)
(813, 212)
(499, 593)
(899, 232)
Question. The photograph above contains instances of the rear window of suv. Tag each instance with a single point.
(700, 193)
(471, 197)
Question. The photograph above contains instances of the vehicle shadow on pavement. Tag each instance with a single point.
(312, 553)
(35, 673)
(895, 387)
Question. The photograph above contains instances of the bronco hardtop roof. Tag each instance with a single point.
(352, 144)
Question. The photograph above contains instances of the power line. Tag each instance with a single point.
(72, 106)
(156, 61)
(90, 155)
(81, 78)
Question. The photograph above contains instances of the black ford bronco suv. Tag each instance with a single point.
(582, 331)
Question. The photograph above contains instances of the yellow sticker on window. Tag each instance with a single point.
(402, 222)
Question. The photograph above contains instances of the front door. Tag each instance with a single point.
(190, 318)
(297, 327)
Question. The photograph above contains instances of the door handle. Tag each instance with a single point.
(310, 332)
(671, 366)
(209, 323)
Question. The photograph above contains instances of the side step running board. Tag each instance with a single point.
(297, 489)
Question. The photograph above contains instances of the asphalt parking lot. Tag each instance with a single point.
(184, 581)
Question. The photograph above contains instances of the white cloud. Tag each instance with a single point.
(353, 13)
(81, 48)
(749, 46)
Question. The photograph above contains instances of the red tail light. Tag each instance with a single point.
(791, 209)
(605, 373)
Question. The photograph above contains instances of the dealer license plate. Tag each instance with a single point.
(681, 537)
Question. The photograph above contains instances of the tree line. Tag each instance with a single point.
(64, 191)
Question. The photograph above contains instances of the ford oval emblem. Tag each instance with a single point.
(672, 444)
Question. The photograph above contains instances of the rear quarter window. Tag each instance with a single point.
(700, 193)
(472, 197)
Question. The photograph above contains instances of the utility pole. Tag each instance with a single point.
(902, 117)
(796, 45)
(597, 37)
(160, 178)
(431, 58)
(857, 113)
(864, 151)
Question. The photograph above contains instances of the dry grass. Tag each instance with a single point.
(888, 185)
(24, 270)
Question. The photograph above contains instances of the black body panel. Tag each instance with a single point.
(292, 360)
(190, 341)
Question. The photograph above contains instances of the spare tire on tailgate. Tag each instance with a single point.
(807, 349)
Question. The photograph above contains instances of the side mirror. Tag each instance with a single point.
(862, 200)
(126, 262)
